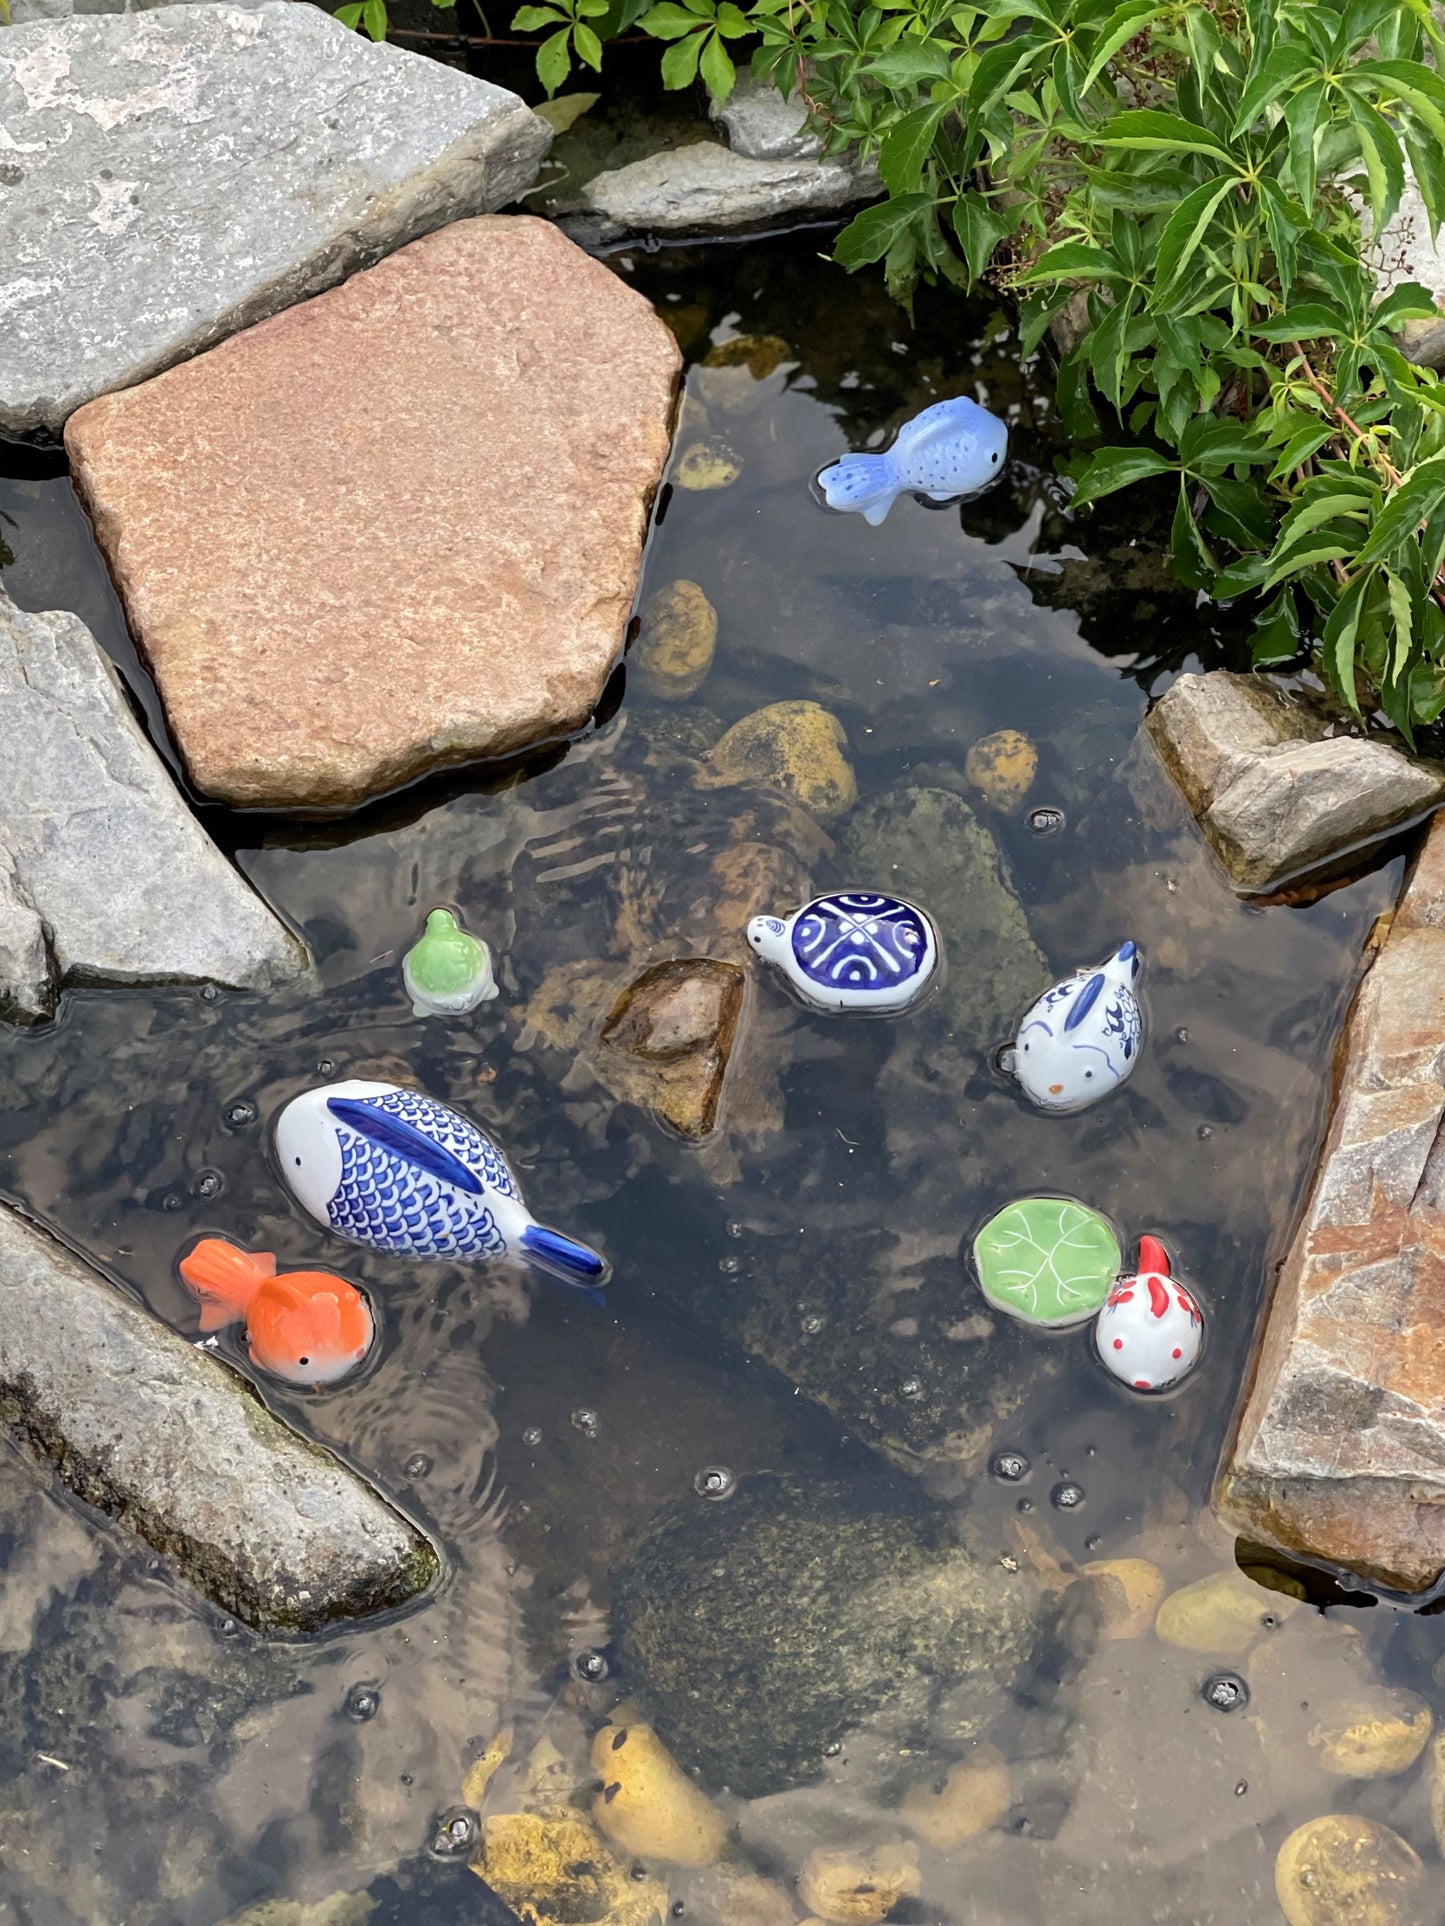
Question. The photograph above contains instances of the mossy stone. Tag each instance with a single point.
(764, 1630)
(794, 747)
(674, 652)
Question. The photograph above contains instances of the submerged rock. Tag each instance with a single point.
(669, 1039)
(926, 844)
(858, 1886)
(794, 747)
(150, 1431)
(504, 369)
(1002, 768)
(1277, 785)
(1224, 1615)
(98, 847)
(1342, 1870)
(674, 652)
(647, 1804)
(973, 1797)
(766, 1630)
(553, 1869)
(181, 173)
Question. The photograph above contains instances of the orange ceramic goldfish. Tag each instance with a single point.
(308, 1327)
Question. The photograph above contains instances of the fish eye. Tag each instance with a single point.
(994, 457)
(298, 1163)
(1088, 1076)
(303, 1360)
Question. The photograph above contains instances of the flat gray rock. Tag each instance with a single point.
(100, 844)
(154, 1433)
(27, 969)
(1277, 783)
(168, 177)
(707, 188)
(24, 13)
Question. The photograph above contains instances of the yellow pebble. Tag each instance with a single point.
(974, 1796)
(1129, 1591)
(1374, 1736)
(708, 463)
(1003, 766)
(796, 747)
(647, 1802)
(1341, 1870)
(858, 1886)
(675, 648)
(1223, 1615)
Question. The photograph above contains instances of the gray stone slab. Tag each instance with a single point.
(760, 124)
(1280, 784)
(1407, 253)
(28, 984)
(176, 1447)
(707, 188)
(24, 13)
(171, 176)
(101, 845)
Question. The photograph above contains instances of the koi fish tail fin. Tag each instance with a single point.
(866, 484)
(225, 1279)
(1153, 1257)
(571, 1263)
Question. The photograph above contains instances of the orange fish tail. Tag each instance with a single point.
(225, 1278)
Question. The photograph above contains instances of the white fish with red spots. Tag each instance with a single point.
(1151, 1331)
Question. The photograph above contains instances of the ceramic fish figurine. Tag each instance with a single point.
(308, 1327)
(447, 972)
(1150, 1332)
(953, 448)
(853, 952)
(401, 1172)
(1083, 1037)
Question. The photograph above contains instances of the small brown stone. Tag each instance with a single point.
(794, 747)
(396, 527)
(673, 1030)
(679, 636)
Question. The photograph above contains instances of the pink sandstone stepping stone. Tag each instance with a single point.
(395, 527)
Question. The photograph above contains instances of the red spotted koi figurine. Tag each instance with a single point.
(1150, 1331)
(308, 1327)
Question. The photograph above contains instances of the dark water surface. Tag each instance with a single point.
(794, 1296)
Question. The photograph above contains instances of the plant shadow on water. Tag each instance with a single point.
(791, 1302)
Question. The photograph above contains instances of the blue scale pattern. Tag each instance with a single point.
(387, 1202)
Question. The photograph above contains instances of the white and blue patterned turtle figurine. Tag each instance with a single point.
(874, 955)
(1083, 1037)
(399, 1171)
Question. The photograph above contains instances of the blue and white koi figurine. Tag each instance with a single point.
(858, 953)
(1083, 1037)
(401, 1172)
(953, 448)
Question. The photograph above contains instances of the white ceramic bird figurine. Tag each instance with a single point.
(401, 1172)
(855, 952)
(953, 448)
(1083, 1037)
(1150, 1331)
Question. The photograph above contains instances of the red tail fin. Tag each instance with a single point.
(225, 1278)
(1153, 1257)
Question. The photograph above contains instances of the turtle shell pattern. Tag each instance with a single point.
(860, 942)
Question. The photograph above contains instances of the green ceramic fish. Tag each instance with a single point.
(448, 972)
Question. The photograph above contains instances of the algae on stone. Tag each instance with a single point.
(763, 1631)
(795, 747)
(674, 651)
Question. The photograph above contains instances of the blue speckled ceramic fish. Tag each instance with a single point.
(953, 448)
(401, 1172)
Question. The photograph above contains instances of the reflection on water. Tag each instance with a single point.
(789, 1300)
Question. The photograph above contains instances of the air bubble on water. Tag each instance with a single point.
(362, 1702)
(1241, 1788)
(241, 1113)
(170, 1201)
(1045, 820)
(209, 992)
(730, 1266)
(592, 1666)
(1009, 1466)
(678, 1909)
(715, 1481)
(1181, 1035)
(326, 1067)
(1093, 1542)
(735, 1230)
(832, 1748)
(1024, 1504)
(1204, 1133)
(911, 1388)
(532, 1435)
(585, 1421)
(1066, 1495)
(207, 1184)
(813, 1323)
(417, 1465)
(454, 1834)
(230, 1628)
(1225, 1691)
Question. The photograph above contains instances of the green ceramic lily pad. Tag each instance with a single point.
(1047, 1260)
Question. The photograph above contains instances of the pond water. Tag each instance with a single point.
(792, 1302)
